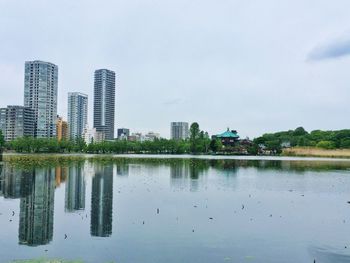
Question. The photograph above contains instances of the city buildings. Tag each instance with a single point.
(77, 114)
(179, 130)
(16, 121)
(123, 133)
(104, 102)
(40, 94)
(91, 135)
(151, 136)
(61, 129)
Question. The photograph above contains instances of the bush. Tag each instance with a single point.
(326, 145)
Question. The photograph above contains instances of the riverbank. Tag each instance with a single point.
(316, 152)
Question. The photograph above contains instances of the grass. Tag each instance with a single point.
(316, 152)
(43, 260)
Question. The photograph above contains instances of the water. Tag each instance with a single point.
(176, 210)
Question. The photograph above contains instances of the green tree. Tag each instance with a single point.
(2, 141)
(325, 145)
(194, 137)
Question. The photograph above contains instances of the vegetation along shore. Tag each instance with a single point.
(296, 142)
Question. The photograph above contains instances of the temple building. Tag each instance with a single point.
(228, 138)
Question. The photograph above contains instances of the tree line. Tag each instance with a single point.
(198, 142)
(339, 139)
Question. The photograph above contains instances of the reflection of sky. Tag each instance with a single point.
(272, 223)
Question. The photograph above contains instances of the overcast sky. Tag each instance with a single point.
(254, 66)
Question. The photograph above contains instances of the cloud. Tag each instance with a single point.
(336, 49)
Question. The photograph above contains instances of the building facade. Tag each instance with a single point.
(16, 122)
(123, 133)
(40, 94)
(77, 114)
(104, 102)
(61, 129)
(227, 138)
(179, 130)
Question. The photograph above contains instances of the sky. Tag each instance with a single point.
(253, 66)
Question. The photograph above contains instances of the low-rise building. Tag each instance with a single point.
(123, 133)
(227, 138)
(91, 135)
(151, 136)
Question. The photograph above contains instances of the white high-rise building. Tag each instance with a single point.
(179, 130)
(77, 114)
(40, 94)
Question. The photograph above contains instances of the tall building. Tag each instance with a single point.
(40, 94)
(104, 102)
(37, 209)
(77, 114)
(102, 202)
(61, 129)
(75, 189)
(16, 121)
(179, 130)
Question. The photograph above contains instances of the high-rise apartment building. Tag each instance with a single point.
(61, 129)
(16, 122)
(40, 94)
(77, 114)
(104, 102)
(179, 130)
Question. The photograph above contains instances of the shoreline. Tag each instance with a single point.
(282, 157)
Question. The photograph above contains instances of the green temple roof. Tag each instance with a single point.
(228, 134)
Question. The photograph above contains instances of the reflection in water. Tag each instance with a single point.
(60, 175)
(123, 169)
(75, 189)
(102, 201)
(329, 255)
(37, 208)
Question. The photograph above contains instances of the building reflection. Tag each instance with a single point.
(37, 208)
(13, 181)
(75, 189)
(179, 175)
(60, 175)
(102, 201)
(123, 169)
(1, 179)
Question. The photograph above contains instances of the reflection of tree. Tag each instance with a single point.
(102, 201)
(37, 208)
(75, 189)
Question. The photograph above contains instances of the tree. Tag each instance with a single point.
(194, 137)
(215, 145)
(2, 141)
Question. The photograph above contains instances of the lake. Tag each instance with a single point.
(175, 209)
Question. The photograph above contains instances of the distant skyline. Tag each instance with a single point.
(253, 66)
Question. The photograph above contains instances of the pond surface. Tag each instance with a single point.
(176, 210)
